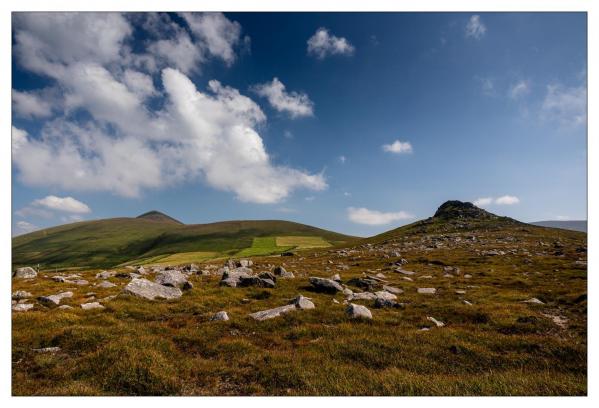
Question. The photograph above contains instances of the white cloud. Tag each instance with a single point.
(323, 44)
(64, 204)
(503, 200)
(398, 147)
(484, 201)
(218, 34)
(71, 218)
(24, 227)
(507, 200)
(179, 52)
(342, 159)
(30, 104)
(287, 134)
(294, 103)
(519, 89)
(139, 83)
(475, 27)
(566, 105)
(346, 194)
(563, 218)
(310, 198)
(373, 217)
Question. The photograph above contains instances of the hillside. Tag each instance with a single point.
(580, 225)
(110, 242)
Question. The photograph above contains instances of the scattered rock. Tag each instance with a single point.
(173, 278)
(427, 291)
(404, 272)
(246, 281)
(105, 274)
(92, 305)
(365, 283)
(336, 277)
(220, 316)
(325, 285)
(63, 307)
(382, 303)
(282, 273)
(437, 322)
(391, 289)
(460, 292)
(26, 272)
(362, 296)
(149, 290)
(22, 307)
(54, 300)
(47, 350)
(533, 301)
(106, 284)
(299, 302)
(383, 294)
(358, 311)
(232, 277)
(21, 294)
(467, 303)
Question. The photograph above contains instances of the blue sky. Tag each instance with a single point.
(355, 122)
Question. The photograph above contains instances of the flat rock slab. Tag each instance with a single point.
(362, 296)
(150, 290)
(437, 322)
(383, 303)
(299, 302)
(22, 307)
(383, 294)
(427, 291)
(325, 285)
(404, 272)
(54, 300)
(105, 274)
(25, 273)
(358, 311)
(391, 289)
(534, 301)
(91, 305)
(21, 294)
(105, 285)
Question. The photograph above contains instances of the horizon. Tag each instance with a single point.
(357, 123)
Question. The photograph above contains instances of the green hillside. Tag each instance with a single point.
(110, 242)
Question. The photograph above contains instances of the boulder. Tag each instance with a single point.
(22, 307)
(232, 277)
(336, 277)
(20, 294)
(65, 307)
(362, 296)
(365, 283)
(404, 272)
(220, 316)
(246, 281)
(383, 294)
(299, 302)
(427, 291)
(534, 301)
(105, 274)
(268, 275)
(282, 273)
(150, 290)
(92, 305)
(172, 278)
(54, 300)
(325, 285)
(80, 282)
(26, 272)
(437, 322)
(381, 303)
(106, 284)
(391, 289)
(358, 311)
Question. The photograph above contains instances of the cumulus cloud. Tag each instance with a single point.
(503, 200)
(295, 104)
(398, 147)
(373, 217)
(24, 227)
(179, 52)
(30, 104)
(64, 204)
(519, 89)
(475, 27)
(323, 44)
(566, 105)
(125, 144)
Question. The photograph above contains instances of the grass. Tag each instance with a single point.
(302, 242)
(263, 246)
(497, 346)
(181, 258)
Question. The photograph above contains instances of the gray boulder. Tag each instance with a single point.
(381, 303)
(383, 294)
(54, 300)
(246, 281)
(150, 290)
(106, 285)
(173, 279)
(22, 307)
(25, 273)
(105, 274)
(427, 291)
(91, 305)
(281, 272)
(325, 285)
(358, 311)
(391, 289)
(21, 294)
(220, 316)
(362, 296)
(299, 302)
(336, 277)
(232, 277)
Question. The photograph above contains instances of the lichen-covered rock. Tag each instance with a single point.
(299, 302)
(26, 272)
(220, 316)
(281, 272)
(150, 290)
(54, 300)
(22, 307)
(172, 278)
(427, 291)
(358, 311)
(91, 305)
(21, 294)
(325, 285)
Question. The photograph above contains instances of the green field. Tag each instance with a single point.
(302, 242)
(263, 246)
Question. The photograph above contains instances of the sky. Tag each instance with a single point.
(353, 122)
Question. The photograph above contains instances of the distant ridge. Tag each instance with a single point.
(578, 225)
(159, 217)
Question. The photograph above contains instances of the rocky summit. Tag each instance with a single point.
(455, 209)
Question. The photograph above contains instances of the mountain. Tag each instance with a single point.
(110, 242)
(158, 217)
(568, 225)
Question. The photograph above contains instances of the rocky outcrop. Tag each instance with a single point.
(173, 278)
(54, 300)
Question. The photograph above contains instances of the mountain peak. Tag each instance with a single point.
(460, 209)
(159, 217)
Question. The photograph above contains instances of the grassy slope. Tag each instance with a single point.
(497, 346)
(110, 242)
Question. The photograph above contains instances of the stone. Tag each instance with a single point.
(92, 305)
(26, 272)
(467, 276)
(358, 311)
(47, 350)
(437, 322)
(65, 307)
(325, 285)
(246, 281)
(336, 277)
(427, 291)
(80, 282)
(365, 283)
(246, 263)
(362, 296)
(299, 302)
(534, 301)
(220, 316)
(54, 300)
(380, 275)
(383, 303)
(172, 278)
(268, 275)
(467, 303)
(59, 278)
(391, 289)
(232, 277)
(348, 292)
(407, 278)
(460, 292)
(404, 272)
(141, 270)
(150, 290)
(20, 294)
(287, 253)
(22, 307)
(383, 294)
(106, 284)
(282, 273)
(105, 274)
